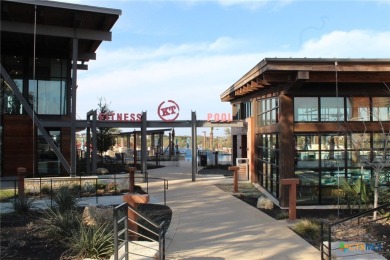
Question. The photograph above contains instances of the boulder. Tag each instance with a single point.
(265, 203)
(101, 171)
(97, 215)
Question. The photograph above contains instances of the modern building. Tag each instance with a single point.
(317, 120)
(43, 45)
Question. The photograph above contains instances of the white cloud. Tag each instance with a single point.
(351, 44)
(194, 75)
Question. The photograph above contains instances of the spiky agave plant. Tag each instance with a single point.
(92, 241)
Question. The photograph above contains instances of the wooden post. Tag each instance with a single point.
(235, 177)
(133, 200)
(21, 174)
(131, 179)
(292, 205)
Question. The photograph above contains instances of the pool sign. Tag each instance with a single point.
(219, 117)
(168, 111)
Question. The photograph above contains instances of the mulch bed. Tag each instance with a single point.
(23, 237)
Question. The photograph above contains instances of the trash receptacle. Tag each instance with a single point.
(203, 160)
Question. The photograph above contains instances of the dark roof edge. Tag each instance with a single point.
(78, 7)
(380, 60)
(262, 64)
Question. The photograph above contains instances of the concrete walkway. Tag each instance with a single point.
(209, 223)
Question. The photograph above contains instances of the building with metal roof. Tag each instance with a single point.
(316, 120)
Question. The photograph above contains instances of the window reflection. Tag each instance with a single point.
(49, 97)
(48, 163)
(380, 109)
(358, 109)
(305, 109)
(332, 109)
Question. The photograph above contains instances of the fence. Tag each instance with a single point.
(358, 236)
(146, 239)
(80, 186)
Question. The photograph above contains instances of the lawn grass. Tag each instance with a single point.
(6, 194)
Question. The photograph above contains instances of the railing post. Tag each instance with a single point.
(322, 241)
(330, 242)
(116, 240)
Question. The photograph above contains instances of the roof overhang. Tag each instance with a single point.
(276, 72)
(54, 25)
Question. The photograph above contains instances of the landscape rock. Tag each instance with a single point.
(97, 215)
(264, 203)
(102, 171)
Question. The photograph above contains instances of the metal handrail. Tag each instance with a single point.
(49, 181)
(117, 233)
(328, 248)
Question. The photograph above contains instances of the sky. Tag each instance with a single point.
(192, 51)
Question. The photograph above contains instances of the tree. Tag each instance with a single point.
(105, 136)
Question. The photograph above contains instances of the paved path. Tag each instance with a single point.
(211, 224)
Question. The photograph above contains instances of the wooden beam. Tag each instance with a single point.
(353, 77)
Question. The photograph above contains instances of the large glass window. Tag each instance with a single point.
(11, 105)
(332, 109)
(381, 149)
(381, 109)
(305, 109)
(267, 112)
(268, 163)
(48, 163)
(307, 151)
(358, 109)
(358, 149)
(48, 96)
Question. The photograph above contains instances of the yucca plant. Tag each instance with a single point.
(64, 200)
(22, 205)
(95, 241)
(61, 225)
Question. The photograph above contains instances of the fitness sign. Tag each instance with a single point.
(168, 111)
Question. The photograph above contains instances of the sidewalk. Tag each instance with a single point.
(208, 223)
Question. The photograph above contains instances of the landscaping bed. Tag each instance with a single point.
(308, 220)
(31, 233)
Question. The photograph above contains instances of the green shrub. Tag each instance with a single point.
(308, 229)
(61, 225)
(282, 215)
(95, 242)
(22, 205)
(64, 200)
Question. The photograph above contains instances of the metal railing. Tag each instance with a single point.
(354, 235)
(126, 236)
(91, 187)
